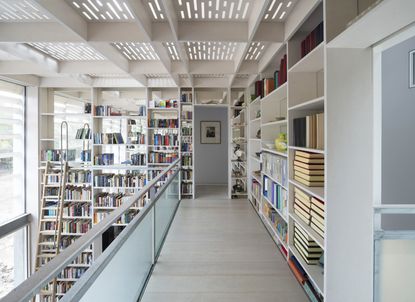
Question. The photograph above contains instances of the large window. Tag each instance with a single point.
(13, 256)
(12, 113)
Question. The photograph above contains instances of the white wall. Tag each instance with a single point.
(211, 160)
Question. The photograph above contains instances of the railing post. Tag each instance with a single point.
(152, 194)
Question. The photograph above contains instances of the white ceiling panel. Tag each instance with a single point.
(207, 51)
(22, 11)
(136, 51)
(213, 10)
(68, 51)
(103, 10)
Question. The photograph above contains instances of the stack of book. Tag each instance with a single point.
(307, 247)
(309, 168)
(302, 205)
(309, 131)
(317, 216)
(312, 40)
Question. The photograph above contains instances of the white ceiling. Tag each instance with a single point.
(217, 42)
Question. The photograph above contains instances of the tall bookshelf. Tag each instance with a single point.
(286, 201)
(187, 142)
(238, 185)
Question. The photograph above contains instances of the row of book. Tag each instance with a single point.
(187, 147)
(105, 159)
(276, 167)
(77, 193)
(138, 159)
(105, 199)
(163, 123)
(308, 249)
(108, 138)
(187, 188)
(186, 97)
(78, 210)
(188, 131)
(55, 155)
(309, 131)
(276, 194)
(132, 180)
(72, 273)
(123, 219)
(309, 168)
(136, 138)
(256, 189)
(310, 210)
(187, 160)
(75, 226)
(161, 158)
(79, 176)
(302, 278)
(171, 103)
(165, 139)
(312, 40)
(106, 110)
(83, 133)
(187, 115)
(279, 225)
(187, 174)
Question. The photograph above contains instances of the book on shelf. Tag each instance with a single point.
(311, 292)
(106, 110)
(186, 97)
(313, 39)
(163, 104)
(83, 133)
(308, 249)
(309, 168)
(282, 74)
(276, 167)
(108, 138)
(104, 159)
(297, 270)
(309, 131)
(163, 123)
(268, 86)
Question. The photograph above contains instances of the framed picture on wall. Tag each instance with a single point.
(210, 132)
(412, 69)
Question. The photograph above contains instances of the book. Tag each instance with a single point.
(308, 166)
(300, 194)
(304, 211)
(309, 260)
(300, 129)
(309, 160)
(305, 237)
(319, 223)
(308, 172)
(318, 203)
(317, 229)
(297, 273)
(309, 183)
(317, 210)
(303, 202)
(309, 177)
(320, 131)
(313, 251)
(308, 154)
(311, 293)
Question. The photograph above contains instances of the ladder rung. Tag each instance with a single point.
(52, 185)
(47, 243)
(46, 255)
(51, 197)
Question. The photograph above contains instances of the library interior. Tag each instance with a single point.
(207, 150)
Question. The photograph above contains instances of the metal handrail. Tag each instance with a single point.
(32, 286)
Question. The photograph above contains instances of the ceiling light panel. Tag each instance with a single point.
(278, 10)
(68, 51)
(209, 76)
(103, 10)
(135, 51)
(172, 50)
(157, 76)
(213, 10)
(209, 51)
(155, 9)
(22, 11)
(255, 51)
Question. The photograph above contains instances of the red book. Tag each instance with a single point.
(296, 272)
(303, 48)
(313, 39)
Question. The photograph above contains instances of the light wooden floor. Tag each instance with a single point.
(217, 250)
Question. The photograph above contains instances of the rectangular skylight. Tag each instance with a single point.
(172, 51)
(22, 11)
(103, 10)
(136, 51)
(65, 51)
(208, 51)
(255, 51)
(215, 10)
(278, 10)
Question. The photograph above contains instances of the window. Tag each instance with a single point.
(12, 113)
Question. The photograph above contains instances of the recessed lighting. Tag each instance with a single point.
(277, 10)
(282, 15)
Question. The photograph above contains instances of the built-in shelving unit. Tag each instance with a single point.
(187, 186)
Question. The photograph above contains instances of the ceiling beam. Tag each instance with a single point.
(213, 31)
(255, 19)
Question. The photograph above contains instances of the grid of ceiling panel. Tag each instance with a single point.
(172, 51)
(278, 10)
(255, 51)
(66, 51)
(21, 11)
(137, 51)
(208, 51)
(103, 10)
(235, 10)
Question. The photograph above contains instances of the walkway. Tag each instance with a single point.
(219, 251)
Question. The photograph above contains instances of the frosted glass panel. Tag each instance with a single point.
(396, 264)
(165, 208)
(123, 278)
